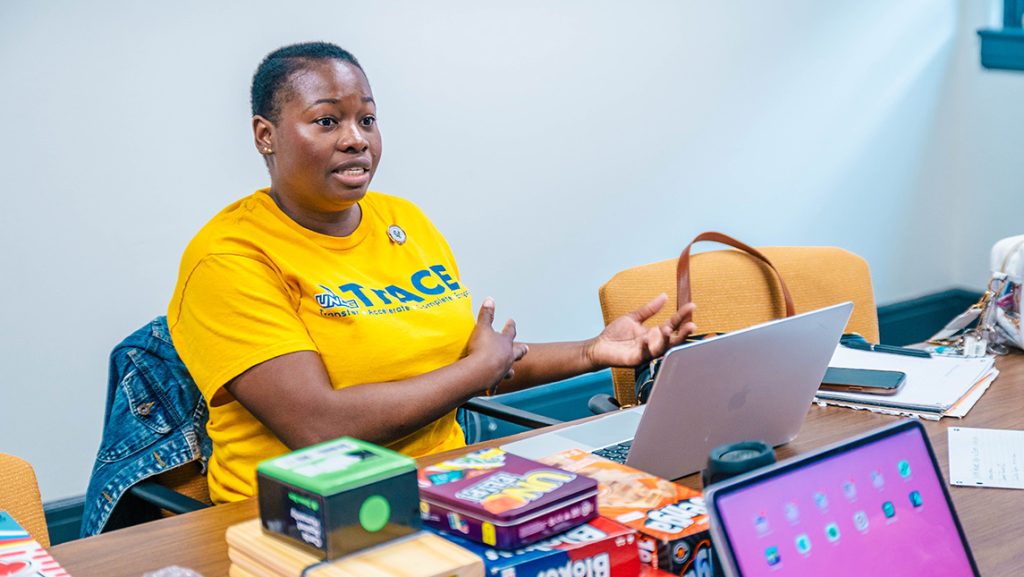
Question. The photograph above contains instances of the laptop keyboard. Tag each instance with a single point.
(615, 453)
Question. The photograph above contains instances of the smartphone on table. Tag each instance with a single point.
(870, 381)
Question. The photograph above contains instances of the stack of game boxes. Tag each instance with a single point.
(525, 518)
(348, 508)
(344, 508)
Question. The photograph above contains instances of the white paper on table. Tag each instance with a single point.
(932, 384)
(967, 402)
(880, 410)
(959, 410)
(986, 458)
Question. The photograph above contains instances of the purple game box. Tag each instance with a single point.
(502, 500)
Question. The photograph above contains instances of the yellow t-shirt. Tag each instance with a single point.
(254, 285)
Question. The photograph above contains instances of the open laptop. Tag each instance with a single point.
(752, 384)
(872, 505)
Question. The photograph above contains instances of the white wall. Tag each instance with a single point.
(981, 137)
(554, 142)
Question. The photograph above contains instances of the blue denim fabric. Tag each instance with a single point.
(155, 421)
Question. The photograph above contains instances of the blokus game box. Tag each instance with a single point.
(339, 497)
(671, 520)
(599, 548)
(502, 500)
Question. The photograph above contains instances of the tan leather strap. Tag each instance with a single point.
(683, 269)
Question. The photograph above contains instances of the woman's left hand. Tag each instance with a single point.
(626, 342)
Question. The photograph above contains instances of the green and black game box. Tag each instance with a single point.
(339, 497)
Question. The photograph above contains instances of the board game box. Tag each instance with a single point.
(339, 497)
(23, 556)
(599, 548)
(503, 500)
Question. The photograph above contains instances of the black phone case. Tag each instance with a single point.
(870, 381)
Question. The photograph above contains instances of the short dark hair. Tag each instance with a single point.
(273, 73)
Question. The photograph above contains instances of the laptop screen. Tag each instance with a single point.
(873, 507)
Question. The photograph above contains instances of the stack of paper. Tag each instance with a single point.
(255, 554)
(940, 386)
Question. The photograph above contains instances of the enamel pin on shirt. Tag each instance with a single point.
(396, 234)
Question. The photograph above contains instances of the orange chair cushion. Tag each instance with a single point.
(20, 497)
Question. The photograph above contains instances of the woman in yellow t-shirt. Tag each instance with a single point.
(314, 309)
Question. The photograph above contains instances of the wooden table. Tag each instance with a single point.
(992, 518)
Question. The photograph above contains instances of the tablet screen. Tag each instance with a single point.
(877, 508)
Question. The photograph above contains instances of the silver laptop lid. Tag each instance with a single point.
(752, 384)
(875, 504)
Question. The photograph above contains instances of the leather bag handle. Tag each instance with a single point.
(683, 268)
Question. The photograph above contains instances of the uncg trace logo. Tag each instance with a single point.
(428, 283)
(329, 300)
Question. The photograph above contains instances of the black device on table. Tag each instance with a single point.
(870, 381)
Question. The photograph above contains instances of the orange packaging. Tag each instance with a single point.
(671, 520)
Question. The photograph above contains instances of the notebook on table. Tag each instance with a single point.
(756, 383)
(875, 504)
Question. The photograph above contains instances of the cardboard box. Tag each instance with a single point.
(254, 552)
(339, 497)
(600, 548)
(503, 500)
(671, 520)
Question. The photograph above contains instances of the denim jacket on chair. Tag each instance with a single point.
(155, 421)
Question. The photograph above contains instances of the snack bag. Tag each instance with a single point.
(671, 520)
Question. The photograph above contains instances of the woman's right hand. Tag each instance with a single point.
(497, 351)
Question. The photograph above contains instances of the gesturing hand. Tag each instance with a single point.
(626, 342)
(496, 350)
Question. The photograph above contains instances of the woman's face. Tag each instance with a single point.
(325, 144)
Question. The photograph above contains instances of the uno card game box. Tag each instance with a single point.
(503, 500)
(599, 548)
(339, 497)
(671, 520)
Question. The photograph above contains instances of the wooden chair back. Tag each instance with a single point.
(20, 497)
(732, 291)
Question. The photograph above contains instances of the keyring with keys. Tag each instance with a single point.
(987, 329)
(981, 339)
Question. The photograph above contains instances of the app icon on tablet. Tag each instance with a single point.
(915, 498)
(877, 480)
(792, 512)
(850, 490)
(761, 524)
(821, 500)
(803, 544)
(904, 468)
(860, 521)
